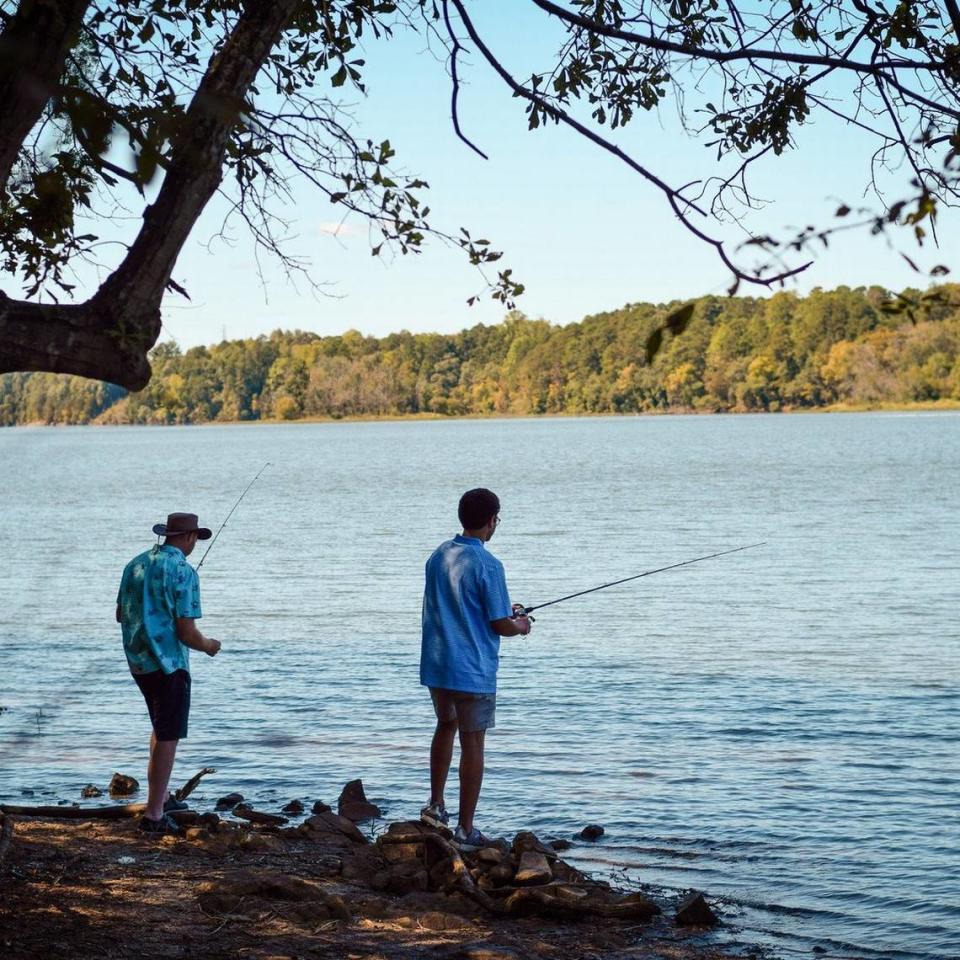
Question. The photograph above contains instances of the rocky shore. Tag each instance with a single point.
(84, 882)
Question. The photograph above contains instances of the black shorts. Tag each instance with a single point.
(168, 700)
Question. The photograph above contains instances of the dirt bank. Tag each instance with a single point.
(78, 889)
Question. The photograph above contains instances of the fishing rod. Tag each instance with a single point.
(673, 566)
(230, 514)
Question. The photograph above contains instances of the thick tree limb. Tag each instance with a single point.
(108, 337)
(196, 165)
(33, 49)
(77, 338)
(954, 10)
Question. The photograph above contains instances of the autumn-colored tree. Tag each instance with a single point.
(239, 97)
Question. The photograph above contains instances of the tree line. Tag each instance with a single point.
(846, 346)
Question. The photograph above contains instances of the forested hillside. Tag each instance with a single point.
(738, 354)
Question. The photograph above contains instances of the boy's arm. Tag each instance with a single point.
(517, 625)
(190, 636)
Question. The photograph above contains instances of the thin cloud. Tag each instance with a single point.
(339, 229)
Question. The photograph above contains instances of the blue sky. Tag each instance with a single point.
(582, 231)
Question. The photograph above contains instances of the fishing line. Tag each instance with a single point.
(230, 514)
(647, 573)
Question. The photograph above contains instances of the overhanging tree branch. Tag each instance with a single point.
(752, 54)
(33, 48)
(108, 337)
(678, 203)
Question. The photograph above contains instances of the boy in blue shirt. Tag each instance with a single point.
(158, 605)
(466, 610)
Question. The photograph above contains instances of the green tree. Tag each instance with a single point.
(235, 96)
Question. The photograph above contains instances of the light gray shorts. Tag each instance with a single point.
(472, 711)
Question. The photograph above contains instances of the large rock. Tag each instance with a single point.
(592, 831)
(331, 824)
(229, 801)
(294, 807)
(491, 855)
(501, 874)
(534, 869)
(254, 842)
(634, 906)
(359, 864)
(397, 852)
(526, 840)
(401, 878)
(354, 805)
(320, 807)
(693, 911)
(406, 827)
(123, 786)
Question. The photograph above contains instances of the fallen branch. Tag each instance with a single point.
(191, 784)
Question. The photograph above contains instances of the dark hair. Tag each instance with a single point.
(477, 507)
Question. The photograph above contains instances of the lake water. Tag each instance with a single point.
(778, 727)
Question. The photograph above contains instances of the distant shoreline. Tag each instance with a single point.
(930, 406)
(842, 350)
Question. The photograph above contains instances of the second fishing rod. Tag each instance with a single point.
(526, 611)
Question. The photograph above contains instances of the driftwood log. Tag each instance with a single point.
(121, 811)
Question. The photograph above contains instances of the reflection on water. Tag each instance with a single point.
(778, 727)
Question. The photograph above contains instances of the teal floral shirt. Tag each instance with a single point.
(157, 587)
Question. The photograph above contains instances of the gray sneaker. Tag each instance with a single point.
(472, 841)
(158, 828)
(435, 816)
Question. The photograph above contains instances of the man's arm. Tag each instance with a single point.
(516, 626)
(191, 637)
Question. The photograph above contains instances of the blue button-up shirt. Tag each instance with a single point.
(465, 590)
(157, 587)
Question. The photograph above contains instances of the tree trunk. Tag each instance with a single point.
(108, 337)
(33, 48)
(78, 339)
(196, 167)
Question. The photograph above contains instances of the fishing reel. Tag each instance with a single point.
(519, 610)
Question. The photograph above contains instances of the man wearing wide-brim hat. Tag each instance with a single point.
(158, 605)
